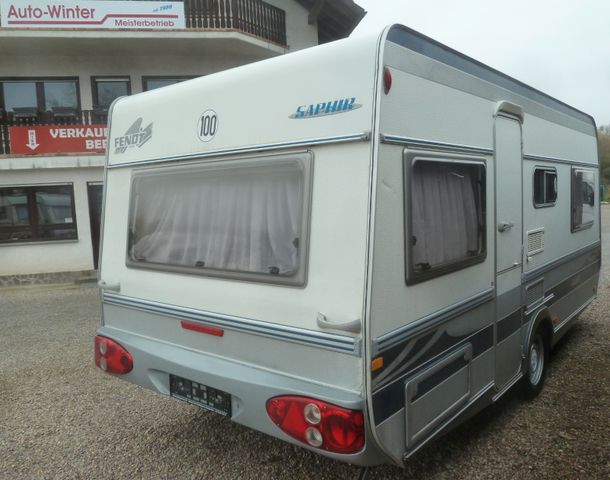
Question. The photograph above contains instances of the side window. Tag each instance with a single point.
(545, 187)
(583, 198)
(446, 217)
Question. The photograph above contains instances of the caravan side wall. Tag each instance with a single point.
(457, 164)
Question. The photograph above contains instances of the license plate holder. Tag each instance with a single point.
(201, 395)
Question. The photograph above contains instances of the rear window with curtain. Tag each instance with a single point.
(446, 217)
(244, 219)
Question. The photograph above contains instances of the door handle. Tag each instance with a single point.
(503, 226)
(353, 326)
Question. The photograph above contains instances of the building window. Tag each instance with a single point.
(583, 199)
(37, 213)
(107, 89)
(150, 83)
(29, 98)
(20, 95)
(545, 187)
(60, 94)
(236, 219)
(445, 216)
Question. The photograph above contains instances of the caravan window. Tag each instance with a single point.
(244, 219)
(545, 187)
(583, 198)
(446, 217)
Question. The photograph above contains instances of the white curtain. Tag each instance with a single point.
(238, 218)
(446, 216)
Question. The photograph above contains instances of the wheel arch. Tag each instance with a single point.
(541, 318)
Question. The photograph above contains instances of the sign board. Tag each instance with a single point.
(94, 14)
(40, 140)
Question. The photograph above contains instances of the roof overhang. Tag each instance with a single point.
(336, 19)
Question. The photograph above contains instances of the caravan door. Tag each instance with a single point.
(509, 249)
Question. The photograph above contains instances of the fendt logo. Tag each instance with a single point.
(135, 136)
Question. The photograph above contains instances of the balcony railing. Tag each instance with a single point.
(29, 117)
(250, 16)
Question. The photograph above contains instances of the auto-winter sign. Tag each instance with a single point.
(91, 14)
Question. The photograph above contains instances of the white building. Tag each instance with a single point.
(61, 65)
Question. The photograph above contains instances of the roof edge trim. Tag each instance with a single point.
(419, 43)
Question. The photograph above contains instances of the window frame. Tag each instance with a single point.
(550, 170)
(111, 78)
(40, 91)
(581, 226)
(147, 78)
(34, 224)
(410, 158)
(298, 279)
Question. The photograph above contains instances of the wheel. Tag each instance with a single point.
(536, 363)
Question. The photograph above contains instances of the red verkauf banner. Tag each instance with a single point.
(43, 139)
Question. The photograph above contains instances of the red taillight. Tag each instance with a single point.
(319, 424)
(387, 80)
(112, 357)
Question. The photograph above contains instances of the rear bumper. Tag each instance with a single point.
(250, 387)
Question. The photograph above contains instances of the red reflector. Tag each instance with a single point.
(339, 429)
(111, 356)
(197, 327)
(387, 80)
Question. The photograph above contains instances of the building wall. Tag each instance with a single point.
(56, 256)
(85, 67)
(42, 54)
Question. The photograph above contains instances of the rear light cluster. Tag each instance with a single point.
(111, 356)
(387, 80)
(319, 424)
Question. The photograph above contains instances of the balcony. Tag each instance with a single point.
(253, 17)
(59, 131)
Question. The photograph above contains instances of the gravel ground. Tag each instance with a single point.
(60, 417)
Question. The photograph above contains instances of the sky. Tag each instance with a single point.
(561, 47)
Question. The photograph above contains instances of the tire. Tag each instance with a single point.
(536, 364)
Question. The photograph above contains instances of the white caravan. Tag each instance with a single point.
(352, 247)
